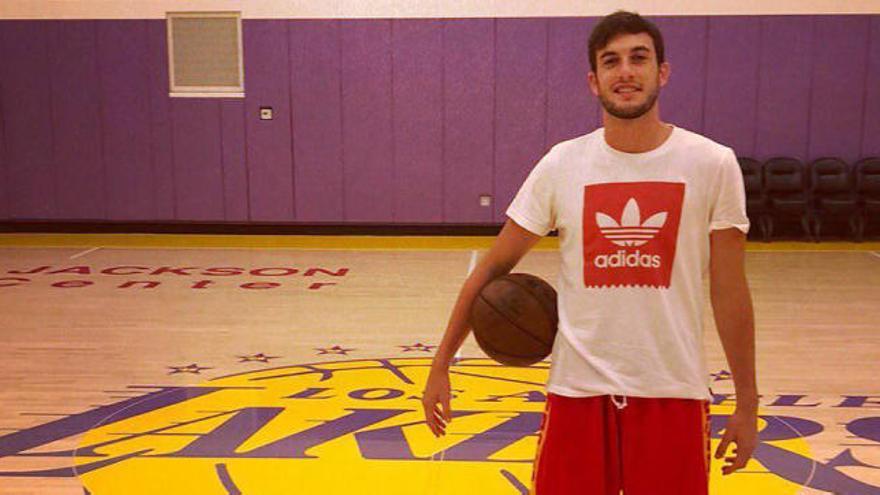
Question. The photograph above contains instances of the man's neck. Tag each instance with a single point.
(636, 135)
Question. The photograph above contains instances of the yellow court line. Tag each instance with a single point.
(314, 242)
(317, 242)
(803, 246)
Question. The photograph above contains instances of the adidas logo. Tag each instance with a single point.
(631, 231)
(635, 248)
(624, 259)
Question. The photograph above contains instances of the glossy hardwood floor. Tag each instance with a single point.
(81, 330)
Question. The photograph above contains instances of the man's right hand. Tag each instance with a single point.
(437, 394)
(511, 245)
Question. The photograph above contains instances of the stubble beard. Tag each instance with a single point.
(629, 113)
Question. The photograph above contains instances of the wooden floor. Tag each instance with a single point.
(295, 366)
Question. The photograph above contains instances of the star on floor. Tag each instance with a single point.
(418, 346)
(721, 375)
(334, 350)
(191, 368)
(262, 358)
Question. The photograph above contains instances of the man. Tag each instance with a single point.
(643, 210)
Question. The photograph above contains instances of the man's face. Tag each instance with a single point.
(627, 79)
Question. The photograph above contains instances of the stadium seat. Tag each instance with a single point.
(785, 182)
(756, 199)
(867, 172)
(832, 193)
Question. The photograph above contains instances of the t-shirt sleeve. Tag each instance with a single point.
(532, 208)
(729, 201)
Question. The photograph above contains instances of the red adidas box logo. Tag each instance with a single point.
(630, 233)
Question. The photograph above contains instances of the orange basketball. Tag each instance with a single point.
(514, 319)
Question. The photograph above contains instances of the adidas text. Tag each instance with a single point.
(621, 259)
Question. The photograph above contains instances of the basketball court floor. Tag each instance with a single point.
(135, 364)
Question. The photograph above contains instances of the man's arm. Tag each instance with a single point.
(512, 243)
(734, 318)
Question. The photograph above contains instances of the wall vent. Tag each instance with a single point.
(205, 54)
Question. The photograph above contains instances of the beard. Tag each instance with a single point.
(629, 113)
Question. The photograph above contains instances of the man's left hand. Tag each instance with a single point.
(742, 430)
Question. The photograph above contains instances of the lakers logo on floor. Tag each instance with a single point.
(357, 427)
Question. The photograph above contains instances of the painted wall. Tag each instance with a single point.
(391, 120)
(399, 9)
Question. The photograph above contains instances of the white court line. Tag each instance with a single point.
(875, 253)
(473, 263)
(471, 266)
(432, 478)
(75, 256)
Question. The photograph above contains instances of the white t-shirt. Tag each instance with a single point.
(634, 239)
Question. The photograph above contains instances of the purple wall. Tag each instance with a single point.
(27, 121)
(836, 104)
(871, 111)
(417, 89)
(316, 95)
(269, 142)
(731, 92)
(123, 83)
(367, 128)
(160, 124)
(684, 98)
(391, 121)
(520, 103)
(469, 118)
(571, 108)
(76, 119)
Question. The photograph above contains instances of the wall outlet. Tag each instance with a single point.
(485, 200)
(265, 113)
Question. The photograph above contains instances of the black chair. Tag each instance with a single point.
(833, 195)
(867, 172)
(756, 199)
(785, 182)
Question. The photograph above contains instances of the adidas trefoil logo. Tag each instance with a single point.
(631, 231)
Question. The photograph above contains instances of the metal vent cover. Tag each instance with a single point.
(204, 53)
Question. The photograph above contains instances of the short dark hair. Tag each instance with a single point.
(623, 22)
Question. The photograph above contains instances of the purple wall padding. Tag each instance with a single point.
(732, 81)
(391, 120)
(682, 99)
(4, 178)
(367, 129)
(316, 87)
(123, 52)
(469, 104)
(235, 182)
(269, 142)
(784, 87)
(27, 121)
(417, 52)
(160, 123)
(839, 49)
(520, 104)
(871, 111)
(571, 108)
(198, 163)
(78, 165)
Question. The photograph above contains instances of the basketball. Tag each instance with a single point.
(514, 319)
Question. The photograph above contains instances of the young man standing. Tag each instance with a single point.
(643, 210)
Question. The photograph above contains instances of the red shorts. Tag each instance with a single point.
(593, 446)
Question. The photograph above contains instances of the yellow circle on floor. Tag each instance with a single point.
(342, 428)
